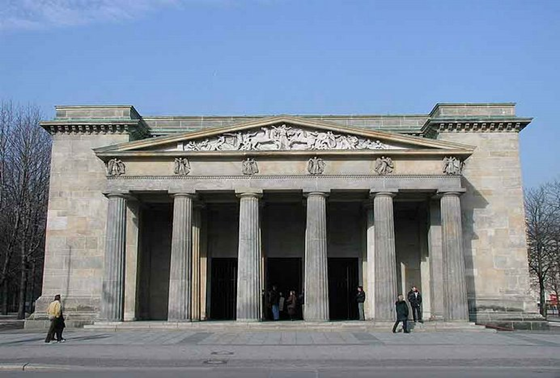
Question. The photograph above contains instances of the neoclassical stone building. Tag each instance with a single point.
(193, 218)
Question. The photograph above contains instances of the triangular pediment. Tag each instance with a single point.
(283, 134)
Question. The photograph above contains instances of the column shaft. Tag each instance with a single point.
(180, 274)
(196, 274)
(456, 305)
(249, 259)
(370, 289)
(112, 296)
(316, 263)
(385, 257)
(436, 263)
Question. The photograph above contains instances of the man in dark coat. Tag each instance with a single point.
(274, 298)
(361, 298)
(415, 300)
(402, 314)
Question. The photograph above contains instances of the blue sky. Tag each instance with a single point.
(202, 57)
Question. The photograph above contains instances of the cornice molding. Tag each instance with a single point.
(476, 127)
(275, 177)
(136, 129)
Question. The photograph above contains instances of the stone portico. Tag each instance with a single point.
(194, 218)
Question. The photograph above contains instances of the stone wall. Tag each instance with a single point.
(494, 227)
(75, 243)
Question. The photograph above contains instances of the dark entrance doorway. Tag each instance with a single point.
(285, 273)
(155, 258)
(343, 281)
(223, 295)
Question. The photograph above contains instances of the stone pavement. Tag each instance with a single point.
(298, 350)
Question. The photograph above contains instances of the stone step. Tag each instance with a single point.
(233, 326)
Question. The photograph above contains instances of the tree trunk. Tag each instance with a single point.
(32, 288)
(22, 290)
(4, 288)
(542, 297)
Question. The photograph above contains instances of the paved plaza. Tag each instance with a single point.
(296, 353)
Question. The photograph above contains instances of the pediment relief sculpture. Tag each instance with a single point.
(283, 137)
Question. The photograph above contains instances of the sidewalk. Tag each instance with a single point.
(277, 349)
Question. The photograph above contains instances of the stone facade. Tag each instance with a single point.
(191, 218)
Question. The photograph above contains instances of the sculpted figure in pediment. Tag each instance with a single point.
(283, 137)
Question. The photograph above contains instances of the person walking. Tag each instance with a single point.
(275, 303)
(402, 314)
(54, 311)
(291, 305)
(361, 298)
(415, 300)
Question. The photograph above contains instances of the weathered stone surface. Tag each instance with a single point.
(493, 226)
(493, 237)
(249, 259)
(180, 278)
(385, 257)
(112, 294)
(454, 280)
(316, 266)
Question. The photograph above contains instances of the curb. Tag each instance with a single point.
(31, 366)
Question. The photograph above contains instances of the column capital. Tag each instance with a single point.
(124, 195)
(191, 195)
(248, 192)
(455, 193)
(387, 193)
(317, 193)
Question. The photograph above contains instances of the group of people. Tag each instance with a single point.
(280, 307)
(414, 298)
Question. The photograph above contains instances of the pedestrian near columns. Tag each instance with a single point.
(274, 298)
(415, 300)
(402, 314)
(361, 298)
(54, 311)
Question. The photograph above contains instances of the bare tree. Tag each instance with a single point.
(543, 218)
(25, 159)
(553, 279)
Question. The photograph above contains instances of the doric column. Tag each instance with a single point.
(180, 274)
(249, 259)
(370, 267)
(196, 271)
(456, 305)
(316, 263)
(437, 286)
(112, 294)
(385, 257)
